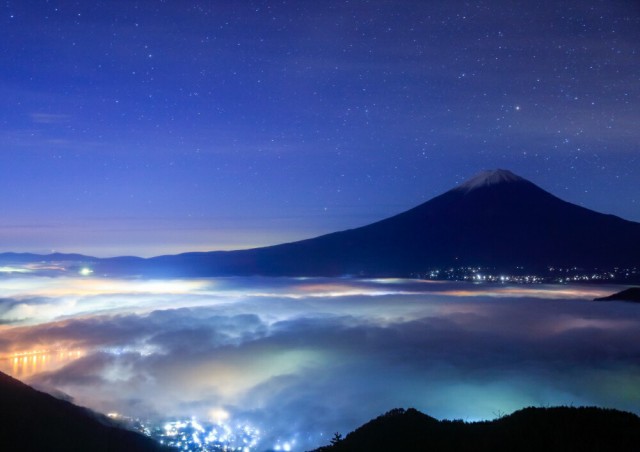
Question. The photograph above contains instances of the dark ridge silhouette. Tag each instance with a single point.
(530, 429)
(31, 420)
(630, 294)
(25, 258)
(496, 219)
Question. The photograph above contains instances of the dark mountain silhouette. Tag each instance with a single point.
(530, 429)
(31, 420)
(25, 258)
(630, 294)
(496, 219)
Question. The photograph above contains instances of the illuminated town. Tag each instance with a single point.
(552, 275)
(22, 364)
(218, 434)
(193, 435)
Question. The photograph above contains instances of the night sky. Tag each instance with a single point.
(151, 127)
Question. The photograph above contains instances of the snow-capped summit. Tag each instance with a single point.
(489, 177)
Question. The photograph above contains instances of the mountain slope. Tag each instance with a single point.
(34, 421)
(495, 219)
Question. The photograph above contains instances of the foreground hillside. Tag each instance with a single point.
(530, 429)
(31, 420)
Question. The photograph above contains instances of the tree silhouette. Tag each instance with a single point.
(337, 437)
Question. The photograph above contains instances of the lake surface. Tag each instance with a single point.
(296, 360)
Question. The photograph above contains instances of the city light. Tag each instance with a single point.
(192, 435)
(550, 275)
(25, 363)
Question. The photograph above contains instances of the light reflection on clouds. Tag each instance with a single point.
(302, 357)
(82, 287)
(551, 292)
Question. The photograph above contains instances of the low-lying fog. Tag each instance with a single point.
(303, 358)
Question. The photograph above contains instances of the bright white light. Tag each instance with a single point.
(219, 415)
(85, 271)
(197, 425)
(9, 269)
(189, 434)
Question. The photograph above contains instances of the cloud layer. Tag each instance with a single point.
(303, 358)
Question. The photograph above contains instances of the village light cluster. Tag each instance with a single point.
(191, 435)
(216, 435)
(551, 275)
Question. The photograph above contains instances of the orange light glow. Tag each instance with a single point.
(26, 363)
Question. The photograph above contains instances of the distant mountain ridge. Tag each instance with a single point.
(496, 219)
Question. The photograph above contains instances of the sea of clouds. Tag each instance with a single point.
(303, 358)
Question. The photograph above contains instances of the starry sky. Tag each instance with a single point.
(152, 127)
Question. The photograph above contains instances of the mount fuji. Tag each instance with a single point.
(495, 219)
